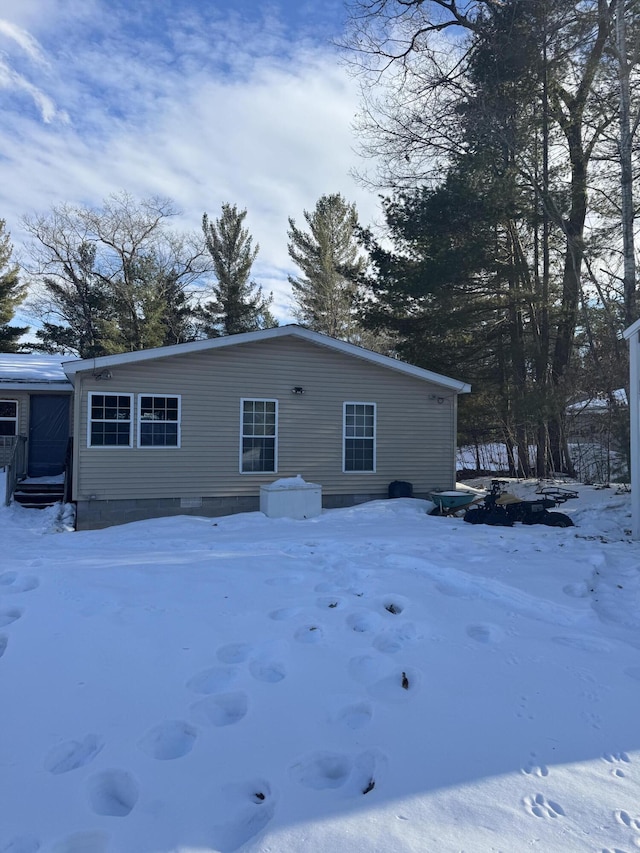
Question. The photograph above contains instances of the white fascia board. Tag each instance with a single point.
(630, 330)
(35, 386)
(97, 364)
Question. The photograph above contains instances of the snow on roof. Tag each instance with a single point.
(18, 368)
(599, 403)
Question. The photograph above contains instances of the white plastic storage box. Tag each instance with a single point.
(291, 497)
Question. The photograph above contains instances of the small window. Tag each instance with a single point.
(158, 421)
(360, 437)
(258, 435)
(8, 417)
(109, 420)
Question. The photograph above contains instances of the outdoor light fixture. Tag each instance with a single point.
(297, 389)
(103, 374)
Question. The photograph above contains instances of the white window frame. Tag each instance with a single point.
(372, 438)
(90, 420)
(274, 436)
(13, 420)
(140, 446)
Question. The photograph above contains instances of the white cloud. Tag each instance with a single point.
(24, 40)
(203, 114)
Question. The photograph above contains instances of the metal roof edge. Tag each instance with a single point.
(34, 385)
(96, 364)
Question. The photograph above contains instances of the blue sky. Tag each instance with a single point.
(233, 101)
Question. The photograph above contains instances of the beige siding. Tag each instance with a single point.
(415, 424)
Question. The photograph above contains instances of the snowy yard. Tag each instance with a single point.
(373, 680)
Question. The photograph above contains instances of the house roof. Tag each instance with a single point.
(98, 364)
(632, 329)
(32, 372)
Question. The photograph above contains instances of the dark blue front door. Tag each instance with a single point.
(48, 434)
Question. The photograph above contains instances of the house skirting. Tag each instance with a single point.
(96, 514)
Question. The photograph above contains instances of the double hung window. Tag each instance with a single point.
(258, 449)
(110, 420)
(8, 417)
(359, 437)
(158, 421)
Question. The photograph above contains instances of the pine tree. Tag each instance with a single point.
(11, 295)
(331, 262)
(238, 304)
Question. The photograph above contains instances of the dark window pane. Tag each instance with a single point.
(7, 427)
(158, 435)
(258, 454)
(8, 409)
(358, 455)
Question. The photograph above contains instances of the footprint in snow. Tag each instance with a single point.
(73, 754)
(485, 632)
(9, 615)
(234, 653)
(227, 709)
(113, 793)
(169, 740)
(269, 671)
(322, 769)
(365, 669)
(616, 759)
(285, 614)
(368, 772)
(4, 640)
(533, 769)
(626, 820)
(364, 622)
(15, 582)
(354, 715)
(396, 688)
(250, 806)
(392, 605)
(539, 806)
(394, 640)
(330, 602)
(309, 634)
(213, 680)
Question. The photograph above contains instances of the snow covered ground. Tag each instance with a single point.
(374, 680)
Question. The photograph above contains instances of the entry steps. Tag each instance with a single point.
(38, 495)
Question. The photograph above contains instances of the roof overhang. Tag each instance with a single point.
(95, 365)
(632, 329)
(28, 385)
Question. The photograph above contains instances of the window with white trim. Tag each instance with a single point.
(359, 437)
(258, 442)
(110, 420)
(158, 420)
(8, 417)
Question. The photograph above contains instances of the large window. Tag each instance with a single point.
(360, 437)
(8, 417)
(158, 421)
(110, 420)
(259, 420)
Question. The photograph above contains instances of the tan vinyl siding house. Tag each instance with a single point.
(209, 401)
(35, 405)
